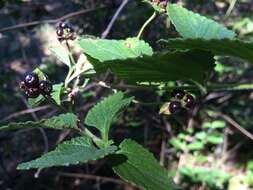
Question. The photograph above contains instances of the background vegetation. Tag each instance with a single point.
(202, 149)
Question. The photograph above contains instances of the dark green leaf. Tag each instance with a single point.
(104, 50)
(236, 48)
(75, 151)
(63, 121)
(139, 166)
(105, 112)
(192, 25)
(161, 67)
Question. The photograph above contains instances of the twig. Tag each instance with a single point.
(115, 16)
(236, 125)
(23, 112)
(94, 177)
(73, 14)
(146, 24)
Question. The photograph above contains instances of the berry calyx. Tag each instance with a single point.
(175, 107)
(45, 87)
(32, 92)
(31, 80)
(189, 101)
(179, 94)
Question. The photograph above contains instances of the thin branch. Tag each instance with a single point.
(236, 125)
(94, 177)
(23, 112)
(67, 16)
(115, 16)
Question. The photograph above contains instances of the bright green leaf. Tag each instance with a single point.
(161, 67)
(57, 92)
(139, 166)
(193, 25)
(105, 50)
(105, 112)
(62, 121)
(236, 48)
(75, 151)
(62, 54)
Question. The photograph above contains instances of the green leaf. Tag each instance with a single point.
(56, 93)
(62, 54)
(105, 50)
(236, 48)
(215, 138)
(105, 112)
(178, 144)
(192, 25)
(161, 67)
(217, 124)
(75, 151)
(138, 166)
(196, 145)
(62, 121)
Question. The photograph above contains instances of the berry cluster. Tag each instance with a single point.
(34, 87)
(65, 32)
(180, 100)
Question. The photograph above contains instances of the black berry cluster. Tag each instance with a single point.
(180, 100)
(34, 87)
(65, 31)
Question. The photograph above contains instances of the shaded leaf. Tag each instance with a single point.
(105, 112)
(62, 121)
(236, 48)
(75, 151)
(56, 93)
(105, 50)
(161, 67)
(193, 25)
(141, 168)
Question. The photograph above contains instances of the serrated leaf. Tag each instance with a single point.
(236, 48)
(193, 25)
(62, 54)
(161, 67)
(62, 121)
(141, 168)
(105, 112)
(75, 151)
(105, 50)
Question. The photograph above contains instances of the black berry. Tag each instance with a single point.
(62, 25)
(45, 87)
(31, 80)
(189, 101)
(32, 92)
(179, 94)
(175, 107)
(59, 32)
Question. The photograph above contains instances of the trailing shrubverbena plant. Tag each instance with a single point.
(189, 59)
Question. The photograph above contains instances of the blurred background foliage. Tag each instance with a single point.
(201, 149)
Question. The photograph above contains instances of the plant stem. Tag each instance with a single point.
(145, 24)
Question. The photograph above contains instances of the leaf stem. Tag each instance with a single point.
(145, 24)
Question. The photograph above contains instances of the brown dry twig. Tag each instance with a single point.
(67, 16)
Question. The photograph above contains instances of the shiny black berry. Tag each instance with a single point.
(62, 25)
(179, 94)
(32, 92)
(59, 32)
(175, 107)
(45, 87)
(31, 80)
(189, 101)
